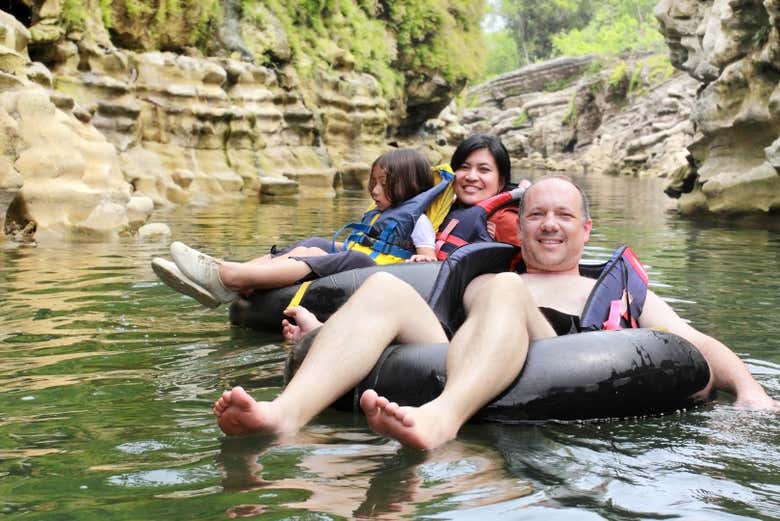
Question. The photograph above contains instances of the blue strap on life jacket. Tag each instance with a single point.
(622, 283)
(394, 225)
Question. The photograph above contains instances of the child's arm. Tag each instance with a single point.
(424, 239)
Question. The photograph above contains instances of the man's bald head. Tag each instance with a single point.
(541, 181)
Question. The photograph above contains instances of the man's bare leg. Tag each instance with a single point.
(484, 357)
(383, 310)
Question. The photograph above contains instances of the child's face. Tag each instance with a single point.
(377, 188)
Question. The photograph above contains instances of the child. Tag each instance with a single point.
(397, 229)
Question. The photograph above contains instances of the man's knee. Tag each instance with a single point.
(388, 288)
(507, 282)
(383, 281)
(507, 288)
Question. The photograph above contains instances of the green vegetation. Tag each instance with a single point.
(626, 80)
(74, 14)
(502, 53)
(570, 117)
(393, 41)
(521, 119)
(617, 26)
(398, 42)
(537, 31)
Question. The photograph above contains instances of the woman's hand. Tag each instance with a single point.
(491, 229)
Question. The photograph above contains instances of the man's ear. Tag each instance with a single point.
(588, 227)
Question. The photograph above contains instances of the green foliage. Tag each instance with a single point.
(570, 117)
(393, 41)
(521, 119)
(635, 82)
(397, 42)
(626, 80)
(617, 26)
(105, 13)
(209, 16)
(659, 68)
(533, 23)
(543, 30)
(136, 8)
(617, 75)
(502, 55)
(73, 15)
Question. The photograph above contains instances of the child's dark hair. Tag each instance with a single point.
(407, 174)
(494, 146)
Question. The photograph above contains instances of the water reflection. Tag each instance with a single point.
(349, 474)
(107, 379)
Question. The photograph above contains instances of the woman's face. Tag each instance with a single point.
(477, 178)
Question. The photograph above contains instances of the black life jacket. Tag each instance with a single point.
(617, 299)
(468, 224)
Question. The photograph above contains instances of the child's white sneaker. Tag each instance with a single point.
(203, 270)
(172, 276)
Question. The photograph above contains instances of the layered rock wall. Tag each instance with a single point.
(148, 104)
(733, 48)
(583, 115)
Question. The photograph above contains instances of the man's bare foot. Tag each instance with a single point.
(305, 321)
(238, 413)
(416, 427)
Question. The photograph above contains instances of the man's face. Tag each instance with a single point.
(553, 228)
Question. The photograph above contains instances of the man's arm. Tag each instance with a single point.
(727, 371)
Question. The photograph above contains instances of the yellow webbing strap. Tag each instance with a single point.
(440, 207)
(296, 300)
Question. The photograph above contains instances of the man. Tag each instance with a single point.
(485, 354)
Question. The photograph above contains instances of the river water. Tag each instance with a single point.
(107, 379)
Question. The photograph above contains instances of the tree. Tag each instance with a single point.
(532, 23)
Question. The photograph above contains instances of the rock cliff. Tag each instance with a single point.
(589, 116)
(733, 48)
(143, 105)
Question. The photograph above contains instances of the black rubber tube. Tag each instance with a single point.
(601, 374)
(262, 310)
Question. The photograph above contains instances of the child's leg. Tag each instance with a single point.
(275, 273)
(225, 279)
(298, 249)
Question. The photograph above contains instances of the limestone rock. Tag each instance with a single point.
(139, 208)
(278, 186)
(72, 184)
(734, 48)
(551, 117)
(154, 232)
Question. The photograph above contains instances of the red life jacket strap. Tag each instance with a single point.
(444, 237)
(613, 320)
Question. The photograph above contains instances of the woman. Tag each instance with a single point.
(482, 211)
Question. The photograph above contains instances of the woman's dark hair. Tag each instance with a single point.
(494, 146)
(407, 174)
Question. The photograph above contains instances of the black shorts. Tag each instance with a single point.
(324, 265)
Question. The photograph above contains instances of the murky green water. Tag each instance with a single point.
(107, 378)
